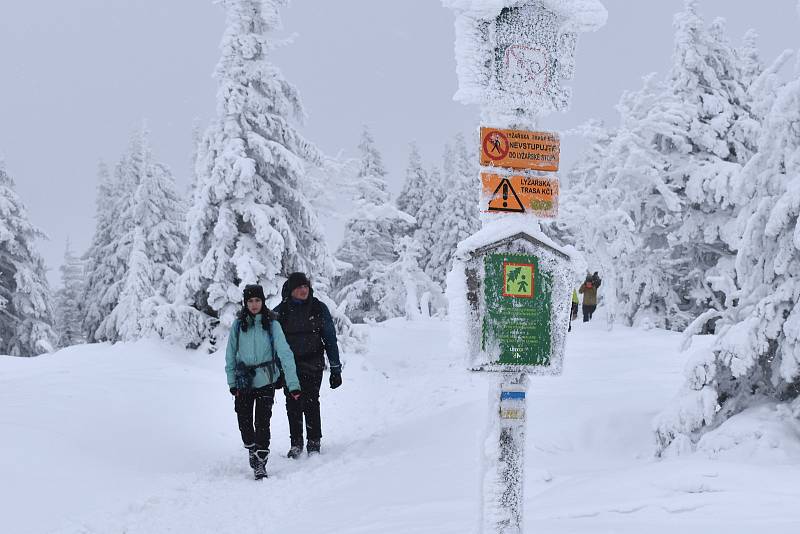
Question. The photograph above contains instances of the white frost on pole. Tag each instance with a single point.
(512, 55)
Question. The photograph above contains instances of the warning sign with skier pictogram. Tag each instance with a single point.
(535, 195)
(520, 149)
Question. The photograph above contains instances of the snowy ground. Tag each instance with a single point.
(142, 439)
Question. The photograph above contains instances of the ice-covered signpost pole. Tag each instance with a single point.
(509, 289)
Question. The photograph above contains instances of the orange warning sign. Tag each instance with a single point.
(520, 149)
(536, 195)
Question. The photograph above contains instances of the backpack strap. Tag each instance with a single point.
(274, 364)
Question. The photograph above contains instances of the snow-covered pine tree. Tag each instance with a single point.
(705, 87)
(115, 255)
(160, 213)
(590, 216)
(749, 56)
(403, 289)
(368, 245)
(458, 213)
(619, 208)
(414, 191)
(26, 315)
(250, 221)
(157, 244)
(109, 273)
(664, 188)
(126, 320)
(426, 221)
(756, 357)
(68, 318)
(100, 272)
(141, 197)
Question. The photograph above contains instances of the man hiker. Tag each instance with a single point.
(310, 331)
(255, 344)
(589, 290)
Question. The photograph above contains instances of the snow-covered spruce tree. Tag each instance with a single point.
(146, 207)
(757, 354)
(68, 318)
(101, 269)
(458, 214)
(108, 263)
(705, 87)
(197, 140)
(157, 244)
(250, 221)
(26, 316)
(414, 190)
(590, 216)
(403, 289)
(368, 245)
(126, 320)
(621, 209)
(160, 213)
(749, 56)
(658, 211)
(431, 209)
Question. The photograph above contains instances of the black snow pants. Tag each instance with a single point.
(255, 430)
(307, 405)
(587, 312)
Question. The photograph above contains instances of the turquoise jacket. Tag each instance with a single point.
(254, 347)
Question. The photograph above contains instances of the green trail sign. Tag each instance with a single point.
(518, 290)
(516, 325)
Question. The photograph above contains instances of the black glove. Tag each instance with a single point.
(336, 379)
(234, 392)
(295, 394)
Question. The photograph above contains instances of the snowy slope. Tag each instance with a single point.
(141, 438)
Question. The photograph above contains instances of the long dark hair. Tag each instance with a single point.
(244, 316)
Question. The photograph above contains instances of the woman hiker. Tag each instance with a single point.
(257, 350)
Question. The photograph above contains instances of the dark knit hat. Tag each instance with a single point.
(296, 280)
(253, 291)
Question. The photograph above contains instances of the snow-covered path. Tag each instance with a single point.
(142, 438)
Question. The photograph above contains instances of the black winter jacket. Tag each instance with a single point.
(310, 331)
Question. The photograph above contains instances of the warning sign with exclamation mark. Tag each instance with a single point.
(505, 198)
(535, 195)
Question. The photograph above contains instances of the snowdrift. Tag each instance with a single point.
(142, 438)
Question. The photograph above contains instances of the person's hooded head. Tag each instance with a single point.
(253, 303)
(297, 287)
(253, 298)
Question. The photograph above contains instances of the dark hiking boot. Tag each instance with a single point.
(295, 451)
(260, 470)
(251, 453)
(313, 446)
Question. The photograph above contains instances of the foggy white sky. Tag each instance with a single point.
(78, 76)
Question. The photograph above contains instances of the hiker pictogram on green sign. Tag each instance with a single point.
(518, 280)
